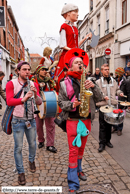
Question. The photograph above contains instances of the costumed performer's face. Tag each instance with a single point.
(24, 72)
(42, 73)
(77, 63)
(73, 15)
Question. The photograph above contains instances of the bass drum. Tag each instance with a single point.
(49, 106)
(114, 118)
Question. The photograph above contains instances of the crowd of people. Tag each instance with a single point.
(104, 87)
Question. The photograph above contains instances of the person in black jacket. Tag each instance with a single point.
(97, 74)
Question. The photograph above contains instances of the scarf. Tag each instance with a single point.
(48, 80)
(75, 74)
(108, 79)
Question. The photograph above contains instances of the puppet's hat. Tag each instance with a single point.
(68, 7)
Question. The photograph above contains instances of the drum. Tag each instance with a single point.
(49, 106)
(115, 117)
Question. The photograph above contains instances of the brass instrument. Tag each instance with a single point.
(84, 97)
(36, 111)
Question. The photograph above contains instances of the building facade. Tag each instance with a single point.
(11, 44)
(34, 61)
(101, 20)
(122, 33)
(110, 19)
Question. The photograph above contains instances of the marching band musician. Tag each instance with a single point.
(68, 35)
(45, 84)
(109, 88)
(23, 117)
(70, 87)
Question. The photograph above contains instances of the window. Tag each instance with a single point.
(2, 2)
(98, 21)
(124, 11)
(18, 42)
(4, 37)
(15, 38)
(91, 5)
(92, 26)
(107, 21)
(99, 62)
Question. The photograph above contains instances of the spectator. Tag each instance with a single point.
(11, 75)
(127, 68)
(119, 72)
(2, 93)
(15, 74)
(111, 74)
(89, 74)
(97, 74)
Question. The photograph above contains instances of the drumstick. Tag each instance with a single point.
(116, 100)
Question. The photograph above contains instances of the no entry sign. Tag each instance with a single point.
(108, 51)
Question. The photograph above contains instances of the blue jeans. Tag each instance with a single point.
(18, 128)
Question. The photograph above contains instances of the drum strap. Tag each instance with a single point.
(108, 88)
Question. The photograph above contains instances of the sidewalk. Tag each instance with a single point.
(104, 174)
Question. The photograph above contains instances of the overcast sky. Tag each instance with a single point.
(37, 17)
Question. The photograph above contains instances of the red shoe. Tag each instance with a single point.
(71, 191)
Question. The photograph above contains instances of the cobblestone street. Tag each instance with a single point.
(101, 169)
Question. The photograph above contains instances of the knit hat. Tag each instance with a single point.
(120, 71)
(22, 63)
(71, 61)
(39, 67)
(68, 7)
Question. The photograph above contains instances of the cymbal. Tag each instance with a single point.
(125, 103)
(106, 109)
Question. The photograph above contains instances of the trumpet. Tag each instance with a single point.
(36, 111)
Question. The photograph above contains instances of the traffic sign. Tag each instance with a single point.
(2, 16)
(108, 51)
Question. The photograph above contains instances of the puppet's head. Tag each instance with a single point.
(68, 8)
(47, 52)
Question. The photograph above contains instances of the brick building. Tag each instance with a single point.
(11, 45)
(34, 61)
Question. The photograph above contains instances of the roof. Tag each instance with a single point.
(32, 55)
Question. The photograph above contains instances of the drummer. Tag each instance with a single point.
(109, 89)
(45, 84)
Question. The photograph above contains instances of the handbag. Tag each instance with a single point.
(60, 121)
(8, 114)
